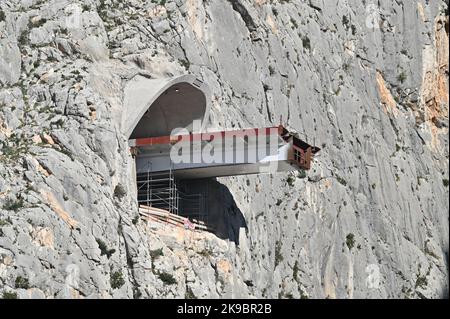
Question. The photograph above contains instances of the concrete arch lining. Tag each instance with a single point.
(154, 107)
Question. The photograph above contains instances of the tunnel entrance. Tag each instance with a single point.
(177, 107)
(187, 191)
(154, 108)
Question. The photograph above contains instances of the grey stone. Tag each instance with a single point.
(362, 86)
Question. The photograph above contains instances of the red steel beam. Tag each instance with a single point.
(208, 136)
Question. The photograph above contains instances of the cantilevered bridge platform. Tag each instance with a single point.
(223, 153)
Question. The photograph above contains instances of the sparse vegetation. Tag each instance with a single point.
(167, 278)
(189, 294)
(9, 295)
(185, 63)
(291, 181)
(301, 173)
(401, 77)
(421, 282)
(303, 295)
(155, 254)
(445, 182)
(2, 16)
(119, 191)
(205, 253)
(39, 23)
(306, 43)
(135, 219)
(117, 280)
(294, 23)
(350, 241)
(341, 180)
(345, 21)
(3, 222)
(271, 70)
(21, 283)
(278, 255)
(13, 205)
(295, 271)
(104, 249)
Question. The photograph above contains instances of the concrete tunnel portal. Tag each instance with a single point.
(154, 108)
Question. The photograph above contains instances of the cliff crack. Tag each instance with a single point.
(248, 20)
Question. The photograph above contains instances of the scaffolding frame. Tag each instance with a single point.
(158, 189)
(161, 190)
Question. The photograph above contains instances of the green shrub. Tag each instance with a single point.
(306, 43)
(295, 271)
(40, 23)
(294, 23)
(401, 77)
(155, 254)
(341, 180)
(303, 295)
(350, 240)
(167, 278)
(206, 252)
(117, 280)
(189, 294)
(9, 295)
(278, 255)
(271, 70)
(12, 204)
(421, 281)
(301, 173)
(291, 181)
(445, 182)
(185, 63)
(104, 249)
(345, 21)
(2, 16)
(3, 222)
(22, 283)
(119, 191)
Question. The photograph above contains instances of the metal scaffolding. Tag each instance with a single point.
(158, 189)
(161, 190)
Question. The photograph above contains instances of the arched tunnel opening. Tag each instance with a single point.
(177, 107)
(181, 103)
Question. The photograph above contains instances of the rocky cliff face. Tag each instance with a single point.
(367, 83)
